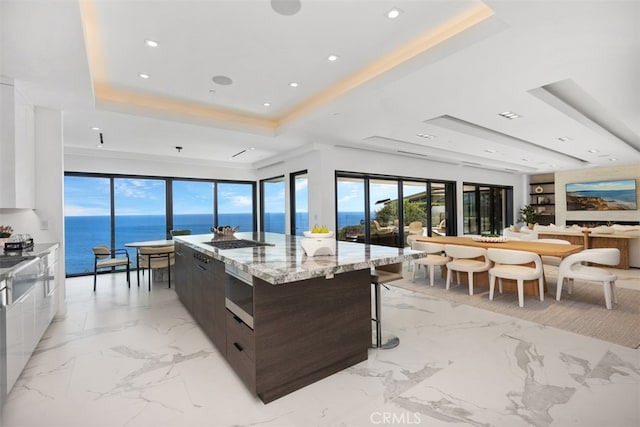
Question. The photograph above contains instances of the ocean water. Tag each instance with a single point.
(82, 233)
(622, 197)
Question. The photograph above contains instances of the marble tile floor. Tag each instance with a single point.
(132, 358)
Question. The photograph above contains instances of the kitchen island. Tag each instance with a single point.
(282, 320)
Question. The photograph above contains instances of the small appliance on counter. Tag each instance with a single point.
(316, 244)
(18, 242)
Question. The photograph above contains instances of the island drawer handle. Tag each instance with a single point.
(238, 346)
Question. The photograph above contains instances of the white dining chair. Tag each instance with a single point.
(572, 268)
(465, 259)
(435, 257)
(515, 265)
(548, 259)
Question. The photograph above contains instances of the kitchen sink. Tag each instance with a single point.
(235, 244)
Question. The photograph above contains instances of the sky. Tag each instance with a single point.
(89, 196)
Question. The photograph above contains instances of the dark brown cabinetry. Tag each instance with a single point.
(201, 291)
(182, 279)
(288, 335)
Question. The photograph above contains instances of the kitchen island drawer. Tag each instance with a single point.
(240, 336)
(243, 365)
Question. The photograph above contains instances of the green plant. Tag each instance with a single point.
(528, 214)
(413, 211)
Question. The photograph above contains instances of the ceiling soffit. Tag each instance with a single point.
(110, 95)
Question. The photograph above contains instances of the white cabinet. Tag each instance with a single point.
(20, 331)
(17, 148)
(26, 321)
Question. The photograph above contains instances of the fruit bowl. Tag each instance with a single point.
(318, 235)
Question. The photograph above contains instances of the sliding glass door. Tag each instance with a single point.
(414, 207)
(350, 221)
(487, 208)
(273, 205)
(384, 212)
(368, 208)
(299, 191)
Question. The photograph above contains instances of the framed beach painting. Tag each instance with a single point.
(619, 195)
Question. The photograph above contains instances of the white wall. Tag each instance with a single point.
(322, 162)
(115, 163)
(590, 175)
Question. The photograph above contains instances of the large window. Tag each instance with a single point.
(350, 219)
(235, 205)
(486, 208)
(368, 210)
(87, 220)
(110, 210)
(193, 206)
(299, 191)
(139, 210)
(273, 204)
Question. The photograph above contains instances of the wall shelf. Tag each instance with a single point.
(542, 197)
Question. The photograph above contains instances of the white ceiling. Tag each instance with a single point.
(394, 79)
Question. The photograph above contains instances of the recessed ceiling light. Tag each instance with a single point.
(593, 151)
(222, 80)
(252, 148)
(151, 43)
(509, 115)
(490, 151)
(95, 128)
(612, 159)
(293, 84)
(266, 104)
(143, 75)
(565, 138)
(333, 58)
(394, 13)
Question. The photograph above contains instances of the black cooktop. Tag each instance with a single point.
(235, 244)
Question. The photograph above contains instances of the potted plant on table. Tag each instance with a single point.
(528, 215)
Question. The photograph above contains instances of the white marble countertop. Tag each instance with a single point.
(286, 261)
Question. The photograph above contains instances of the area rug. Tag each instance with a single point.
(583, 312)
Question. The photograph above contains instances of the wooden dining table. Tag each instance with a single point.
(540, 248)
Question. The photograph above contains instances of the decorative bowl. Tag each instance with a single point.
(224, 231)
(318, 235)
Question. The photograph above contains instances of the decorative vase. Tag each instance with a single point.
(531, 226)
